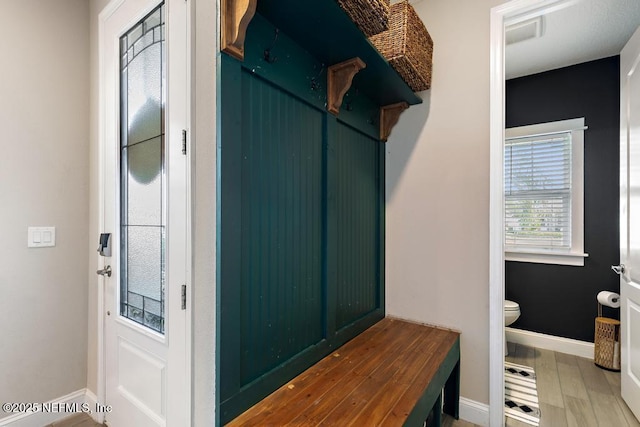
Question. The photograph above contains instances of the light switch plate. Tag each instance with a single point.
(41, 237)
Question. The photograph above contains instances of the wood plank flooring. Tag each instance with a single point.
(572, 391)
(80, 420)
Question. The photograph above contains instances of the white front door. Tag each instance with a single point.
(630, 222)
(143, 120)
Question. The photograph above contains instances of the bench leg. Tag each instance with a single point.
(452, 393)
(436, 413)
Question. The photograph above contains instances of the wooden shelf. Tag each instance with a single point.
(324, 30)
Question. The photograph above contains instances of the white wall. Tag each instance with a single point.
(437, 243)
(204, 148)
(44, 171)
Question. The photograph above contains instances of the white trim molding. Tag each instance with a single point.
(496, 215)
(510, 12)
(55, 410)
(541, 257)
(93, 401)
(474, 412)
(550, 342)
(573, 254)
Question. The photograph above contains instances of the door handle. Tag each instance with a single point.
(105, 271)
(618, 269)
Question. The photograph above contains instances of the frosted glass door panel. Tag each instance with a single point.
(142, 165)
(143, 60)
(144, 259)
(142, 182)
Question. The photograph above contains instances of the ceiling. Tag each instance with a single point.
(585, 30)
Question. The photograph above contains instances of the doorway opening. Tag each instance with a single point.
(517, 14)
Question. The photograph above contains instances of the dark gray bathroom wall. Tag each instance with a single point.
(555, 299)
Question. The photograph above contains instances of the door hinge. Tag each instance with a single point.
(184, 297)
(184, 142)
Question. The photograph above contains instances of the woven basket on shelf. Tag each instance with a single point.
(371, 16)
(407, 46)
(606, 352)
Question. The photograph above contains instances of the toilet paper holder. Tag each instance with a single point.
(607, 331)
(608, 298)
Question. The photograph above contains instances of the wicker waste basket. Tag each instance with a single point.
(371, 16)
(607, 344)
(407, 46)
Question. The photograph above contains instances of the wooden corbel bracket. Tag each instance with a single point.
(234, 20)
(339, 79)
(389, 116)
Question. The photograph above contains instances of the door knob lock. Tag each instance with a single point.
(618, 269)
(105, 271)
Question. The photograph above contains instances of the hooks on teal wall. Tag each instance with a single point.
(315, 81)
(267, 52)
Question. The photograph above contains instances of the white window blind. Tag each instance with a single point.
(538, 191)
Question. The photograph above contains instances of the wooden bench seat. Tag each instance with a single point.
(390, 375)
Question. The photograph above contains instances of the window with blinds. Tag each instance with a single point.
(538, 191)
(543, 193)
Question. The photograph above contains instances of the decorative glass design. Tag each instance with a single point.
(143, 171)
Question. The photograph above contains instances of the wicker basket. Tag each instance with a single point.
(606, 352)
(407, 46)
(371, 16)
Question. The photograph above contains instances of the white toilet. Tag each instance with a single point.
(511, 314)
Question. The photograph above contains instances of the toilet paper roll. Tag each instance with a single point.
(610, 299)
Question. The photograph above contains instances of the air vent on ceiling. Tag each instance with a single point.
(525, 30)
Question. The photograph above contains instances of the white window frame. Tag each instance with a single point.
(575, 255)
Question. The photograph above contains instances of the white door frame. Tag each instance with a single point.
(101, 391)
(510, 12)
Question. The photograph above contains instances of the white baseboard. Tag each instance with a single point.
(549, 342)
(474, 412)
(54, 410)
(92, 400)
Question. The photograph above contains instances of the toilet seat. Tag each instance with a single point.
(511, 306)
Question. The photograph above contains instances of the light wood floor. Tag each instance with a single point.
(80, 420)
(572, 392)
(448, 421)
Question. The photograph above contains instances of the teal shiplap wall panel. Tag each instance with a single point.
(298, 72)
(357, 185)
(229, 225)
(301, 219)
(281, 282)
